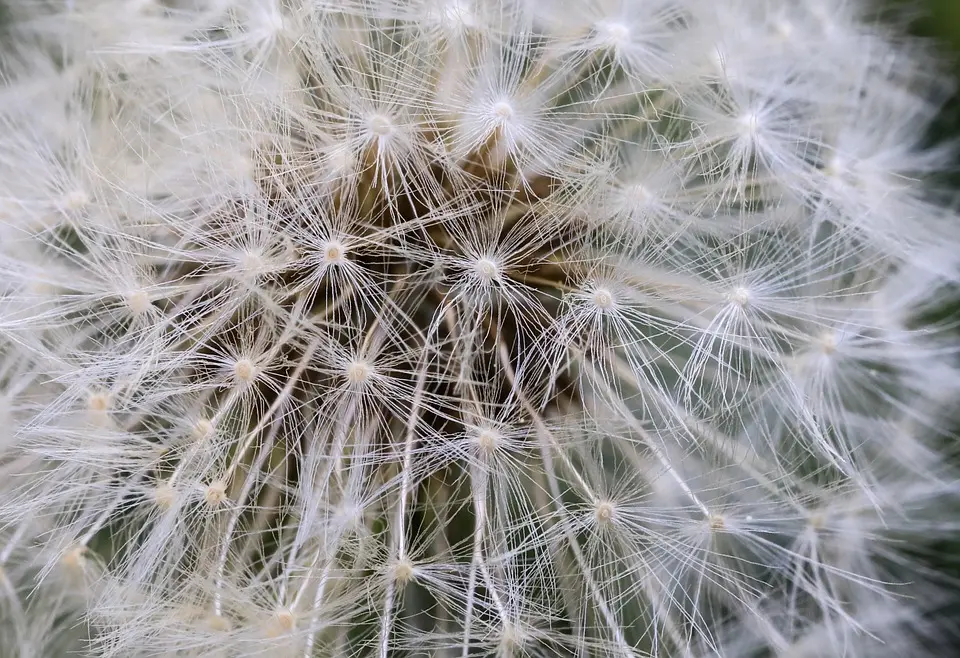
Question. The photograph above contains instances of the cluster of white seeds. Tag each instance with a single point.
(468, 328)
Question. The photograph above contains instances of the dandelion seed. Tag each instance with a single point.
(402, 572)
(750, 124)
(217, 623)
(164, 496)
(334, 252)
(202, 429)
(827, 342)
(503, 111)
(215, 493)
(488, 441)
(281, 623)
(717, 522)
(817, 521)
(75, 559)
(740, 296)
(487, 270)
(98, 402)
(138, 302)
(359, 372)
(76, 200)
(604, 512)
(244, 371)
(380, 126)
(604, 299)
(612, 33)
(251, 262)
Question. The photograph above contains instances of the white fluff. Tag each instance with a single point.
(466, 328)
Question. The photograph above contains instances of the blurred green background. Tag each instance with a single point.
(942, 21)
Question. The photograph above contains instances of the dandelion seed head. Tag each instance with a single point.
(503, 111)
(202, 429)
(98, 402)
(456, 15)
(487, 270)
(717, 522)
(603, 299)
(76, 200)
(244, 371)
(164, 496)
(380, 125)
(614, 34)
(638, 194)
(215, 493)
(217, 623)
(350, 514)
(402, 572)
(75, 559)
(396, 327)
(605, 512)
(817, 521)
(339, 159)
(334, 252)
(827, 342)
(359, 372)
(512, 639)
(488, 440)
(750, 123)
(281, 623)
(272, 20)
(740, 296)
(251, 262)
(138, 302)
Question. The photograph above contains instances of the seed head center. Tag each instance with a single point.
(604, 512)
(603, 299)
(138, 302)
(76, 200)
(164, 496)
(402, 572)
(98, 402)
(334, 252)
(215, 493)
(828, 342)
(739, 296)
(750, 124)
(380, 125)
(202, 429)
(244, 370)
(250, 261)
(358, 371)
(503, 110)
(613, 33)
(638, 193)
(487, 440)
(486, 269)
